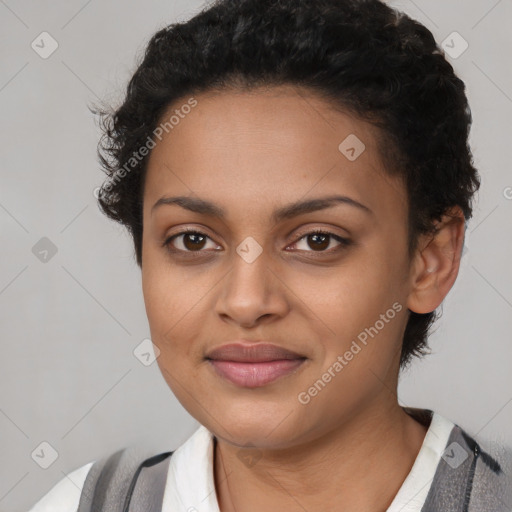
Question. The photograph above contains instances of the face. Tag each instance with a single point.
(252, 268)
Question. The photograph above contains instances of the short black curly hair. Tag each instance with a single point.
(363, 56)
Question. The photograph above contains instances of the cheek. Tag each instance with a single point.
(363, 304)
(354, 293)
(163, 304)
(173, 302)
(167, 293)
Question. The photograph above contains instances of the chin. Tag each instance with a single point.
(268, 430)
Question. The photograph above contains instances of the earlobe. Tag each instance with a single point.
(436, 263)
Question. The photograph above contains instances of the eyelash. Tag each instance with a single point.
(344, 242)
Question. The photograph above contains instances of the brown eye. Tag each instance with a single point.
(187, 241)
(193, 241)
(319, 241)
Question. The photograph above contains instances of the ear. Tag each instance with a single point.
(436, 263)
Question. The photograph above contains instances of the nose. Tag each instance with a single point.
(252, 293)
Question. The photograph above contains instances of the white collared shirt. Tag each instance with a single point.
(190, 483)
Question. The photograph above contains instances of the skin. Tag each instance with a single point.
(250, 153)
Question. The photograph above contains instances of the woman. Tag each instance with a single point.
(296, 177)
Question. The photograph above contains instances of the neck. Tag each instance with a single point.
(359, 466)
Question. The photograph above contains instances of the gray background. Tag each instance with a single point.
(69, 325)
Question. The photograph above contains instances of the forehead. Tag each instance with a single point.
(268, 146)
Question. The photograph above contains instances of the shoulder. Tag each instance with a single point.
(117, 470)
(477, 469)
(64, 496)
(492, 457)
(494, 461)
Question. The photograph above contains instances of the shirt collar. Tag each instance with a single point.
(190, 483)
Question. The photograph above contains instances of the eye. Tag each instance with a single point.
(320, 240)
(187, 241)
(193, 241)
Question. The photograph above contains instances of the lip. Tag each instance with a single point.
(253, 365)
(253, 352)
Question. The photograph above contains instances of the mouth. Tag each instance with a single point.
(253, 365)
(254, 375)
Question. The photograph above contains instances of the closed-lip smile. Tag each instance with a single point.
(255, 364)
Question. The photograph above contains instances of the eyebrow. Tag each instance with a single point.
(289, 211)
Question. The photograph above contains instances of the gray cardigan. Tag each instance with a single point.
(472, 476)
